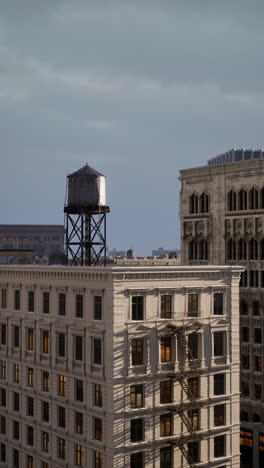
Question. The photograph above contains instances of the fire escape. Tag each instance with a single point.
(188, 368)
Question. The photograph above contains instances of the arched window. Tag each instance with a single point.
(242, 250)
(242, 199)
(204, 203)
(193, 206)
(262, 198)
(231, 250)
(231, 201)
(203, 250)
(261, 249)
(256, 308)
(253, 249)
(253, 199)
(243, 307)
(193, 250)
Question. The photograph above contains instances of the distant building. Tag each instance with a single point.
(16, 257)
(117, 253)
(162, 253)
(43, 240)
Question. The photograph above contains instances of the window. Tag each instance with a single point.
(193, 204)
(30, 339)
(245, 388)
(193, 250)
(166, 391)
(193, 346)
(61, 447)
(17, 299)
(79, 390)
(44, 465)
(245, 334)
(79, 305)
(165, 349)
(231, 250)
(61, 344)
(242, 249)
(219, 384)
(30, 377)
(231, 201)
(258, 391)
(98, 396)
(16, 373)
(98, 429)
(194, 451)
(165, 457)
(31, 301)
(257, 335)
(45, 442)
(219, 415)
(258, 363)
(97, 307)
(3, 298)
(78, 422)
(204, 203)
(193, 387)
(16, 401)
(78, 348)
(45, 341)
(45, 411)
(137, 346)
(242, 199)
(2, 424)
(3, 397)
(256, 308)
(219, 342)
(97, 351)
(61, 416)
(3, 334)
(219, 446)
(253, 278)
(253, 249)
(15, 458)
(16, 336)
(78, 455)
(45, 381)
(193, 305)
(2, 370)
(62, 385)
(194, 419)
(136, 396)
(30, 406)
(166, 306)
(29, 461)
(137, 460)
(62, 304)
(46, 302)
(30, 435)
(253, 199)
(137, 430)
(245, 361)
(137, 308)
(165, 425)
(98, 459)
(16, 430)
(3, 452)
(243, 307)
(218, 304)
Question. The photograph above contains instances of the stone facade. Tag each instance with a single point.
(232, 228)
(123, 366)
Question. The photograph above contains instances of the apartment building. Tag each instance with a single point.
(222, 222)
(121, 366)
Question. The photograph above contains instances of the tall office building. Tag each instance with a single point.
(222, 222)
(121, 366)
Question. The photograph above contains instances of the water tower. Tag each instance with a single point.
(85, 218)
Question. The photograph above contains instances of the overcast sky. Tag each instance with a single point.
(138, 89)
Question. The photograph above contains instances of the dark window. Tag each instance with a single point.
(194, 451)
(245, 334)
(256, 308)
(61, 447)
(3, 452)
(62, 385)
(165, 349)
(16, 430)
(46, 302)
(2, 370)
(61, 344)
(45, 441)
(193, 250)
(231, 201)
(193, 305)
(243, 279)
(137, 352)
(16, 401)
(45, 341)
(98, 459)
(204, 203)
(137, 307)
(16, 336)
(79, 390)
(218, 304)
(61, 416)
(79, 305)
(98, 396)
(137, 460)
(219, 384)
(165, 425)
(243, 307)
(17, 299)
(219, 446)
(137, 430)
(30, 435)
(31, 301)
(97, 351)
(231, 250)
(136, 396)
(242, 249)
(98, 429)
(194, 419)
(258, 391)
(3, 334)
(245, 361)
(78, 422)
(2, 424)
(166, 391)
(193, 387)
(97, 307)
(219, 338)
(258, 363)
(3, 298)
(3, 397)
(78, 348)
(166, 306)
(30, 406)
(253, 199)
(245, 388)
(193, 346)
(165, 457)
(242, 199)
(193, 204)
(45, 411)
(219, 415)
(257, 335)
(30, 339)
(15, 458)
(45, 381)
(62, 304)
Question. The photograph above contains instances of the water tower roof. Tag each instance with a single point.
(86, 170)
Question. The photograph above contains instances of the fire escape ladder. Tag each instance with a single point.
(186, 454)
